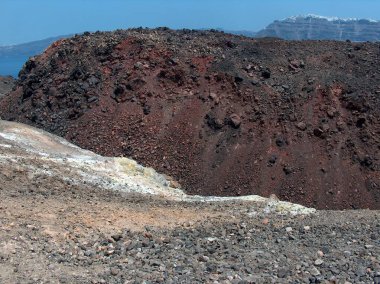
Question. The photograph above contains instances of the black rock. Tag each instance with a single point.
(116, 237)
(287, 170)
(280, 142)
(272, 159)
(266, 74)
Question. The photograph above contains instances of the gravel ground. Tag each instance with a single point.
(57, 233)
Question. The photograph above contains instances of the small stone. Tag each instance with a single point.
(287, 170)
(138, 65)
(238, 79)
(203, 258)
(174, 184)
(148, 235)
(280, 142)
(282, 273)
(265, 221)
(325, 250)
(146, 109)
(114, 271)
(291, 237)
(320, 253)
(306, 228)
(295, 64)
(156, 262)
(314, 271)
(340, 125)
(214, 97)
(318, 132)
(92, 99)
(254, 82)
(331, 112)
(347, 253)
(272, 160)
(116, 237)
(235, 120)
(273, 198)
(325, 127)
(368, 246)
(361, 271)
(288, 229)
(266, 74)
(188, 224)
(318, 261)
(89, 253)
(249, 279)
(301, 125)
(109, 252)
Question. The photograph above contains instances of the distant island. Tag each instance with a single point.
(312, 27)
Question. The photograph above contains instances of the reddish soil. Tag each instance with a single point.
(222, 114)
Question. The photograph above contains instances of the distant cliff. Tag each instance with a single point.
(314, 27)
(319, 28)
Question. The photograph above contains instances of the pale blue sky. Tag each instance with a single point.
(28, 20)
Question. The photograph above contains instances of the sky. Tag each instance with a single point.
(28, 20)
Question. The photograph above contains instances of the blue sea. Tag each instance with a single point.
(11, 66)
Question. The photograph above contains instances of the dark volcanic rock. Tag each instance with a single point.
(202, 107)
(6, 85)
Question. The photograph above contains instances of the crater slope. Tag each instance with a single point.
(224, 115)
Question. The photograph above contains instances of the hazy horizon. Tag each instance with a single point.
(24, 21)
